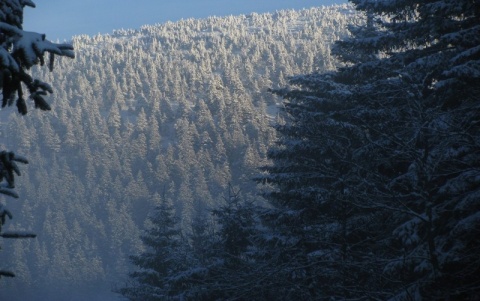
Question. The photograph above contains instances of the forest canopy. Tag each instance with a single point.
(174, 112)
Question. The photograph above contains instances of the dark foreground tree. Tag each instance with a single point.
(19, 51)
(376, 173)
(212, 263)
(164, 256)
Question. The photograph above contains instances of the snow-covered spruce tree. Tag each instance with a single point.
(229, 273)
(19, 51)
(165, 255)
(378, 162)
(325, 242)
(429, 160)
(212, 263)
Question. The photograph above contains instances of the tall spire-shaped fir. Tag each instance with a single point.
(376, 172)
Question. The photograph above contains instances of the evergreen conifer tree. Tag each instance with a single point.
(19, 51)
(376, 171)
(163, 258)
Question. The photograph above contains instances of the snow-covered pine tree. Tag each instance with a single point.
(230, 274)
(226, 271)
(164, 257)
(212, 264)
(377, 163)
(322, 238)
(319, 233)
(19, 51)
(429, 51)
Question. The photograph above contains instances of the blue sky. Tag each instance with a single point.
(62, 19)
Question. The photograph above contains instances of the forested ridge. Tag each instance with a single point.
(174, 111)
(372, 188)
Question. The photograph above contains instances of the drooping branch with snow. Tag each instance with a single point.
(19, 51)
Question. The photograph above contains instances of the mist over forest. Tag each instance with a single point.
(179, 111)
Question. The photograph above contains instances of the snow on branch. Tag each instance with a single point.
(9, 192)
(32, 46)
(6, 274)
(18, 235)
(8, 169)
(19, 51)
(27, 3)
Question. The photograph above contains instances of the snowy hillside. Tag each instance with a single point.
(176, 111)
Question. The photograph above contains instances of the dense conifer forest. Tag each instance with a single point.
(176, 113)
(183, 161)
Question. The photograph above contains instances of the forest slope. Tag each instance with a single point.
(176, 110)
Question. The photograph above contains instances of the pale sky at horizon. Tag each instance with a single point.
(62, 19)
